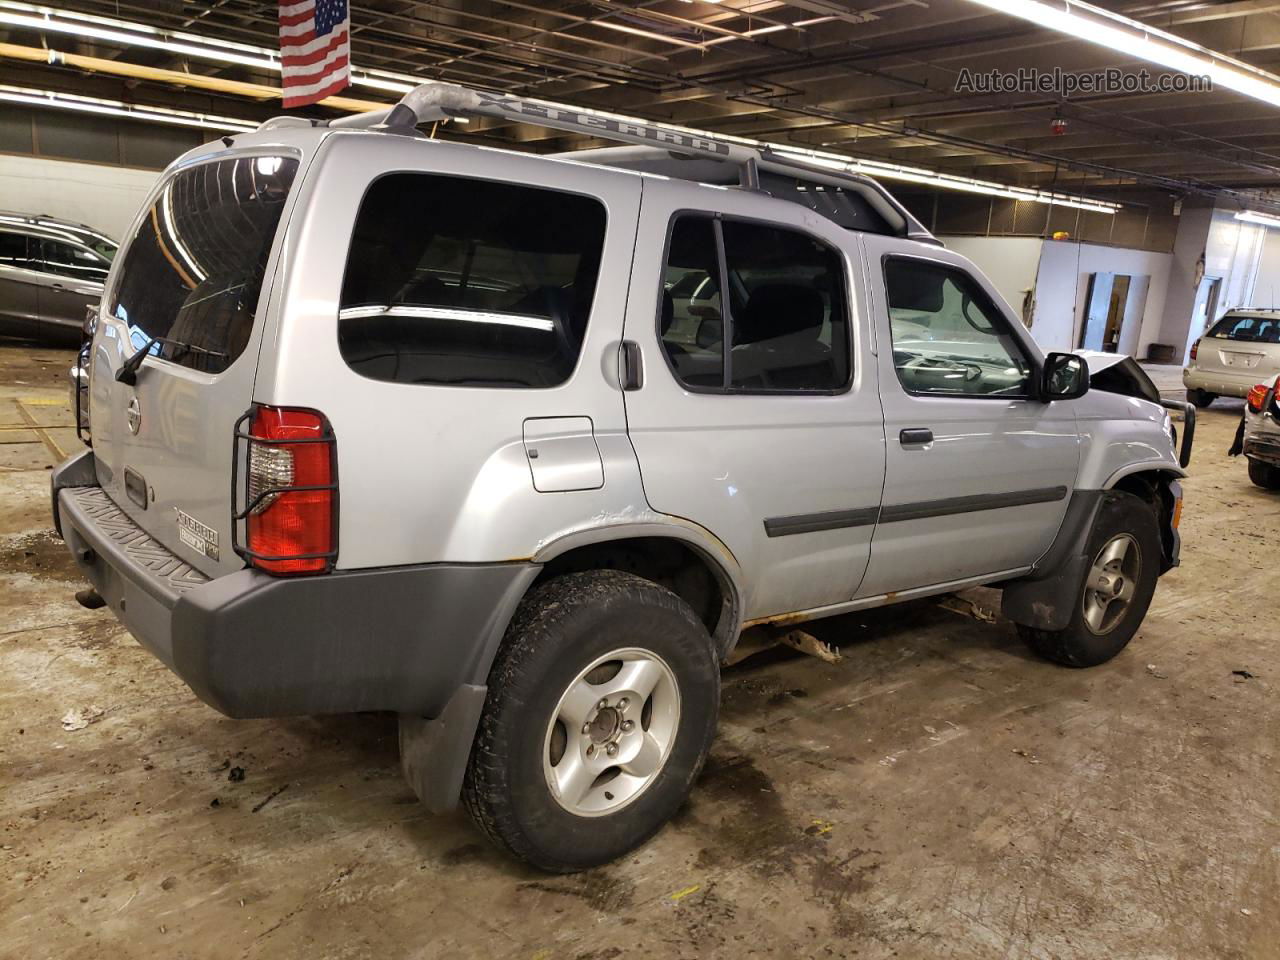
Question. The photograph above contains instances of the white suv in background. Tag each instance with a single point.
(1238, 352)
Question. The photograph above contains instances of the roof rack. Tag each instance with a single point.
(438, 101)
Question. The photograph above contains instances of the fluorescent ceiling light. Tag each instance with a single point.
(116, 108)
(893, 171)
(126, 33)
(774, 28)
(1141, 42)
(1253, 216)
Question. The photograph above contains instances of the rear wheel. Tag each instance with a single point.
(1201, 398)
(1116, 590)
(1264, 475)
(601, 709)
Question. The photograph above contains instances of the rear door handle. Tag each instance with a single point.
(915, 435)
(632, 366)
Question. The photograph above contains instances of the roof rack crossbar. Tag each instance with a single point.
(433, 101)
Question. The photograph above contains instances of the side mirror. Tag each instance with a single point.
(1065, 377)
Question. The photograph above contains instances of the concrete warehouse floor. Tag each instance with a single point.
(939, 793)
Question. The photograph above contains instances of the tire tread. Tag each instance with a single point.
(486, 789)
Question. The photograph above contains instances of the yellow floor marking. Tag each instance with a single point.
(58, 453)
(681, 894)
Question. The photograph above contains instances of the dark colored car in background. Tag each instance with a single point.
(51, 272)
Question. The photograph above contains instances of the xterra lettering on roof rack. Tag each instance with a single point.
(589, 121)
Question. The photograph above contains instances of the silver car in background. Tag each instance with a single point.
(1260, 433)
(51, 272)
(1239, 351)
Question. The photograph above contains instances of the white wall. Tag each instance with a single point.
(106, 198)
(1266, 285)
(1062, 284)
(1232, 251)
(1010, 263)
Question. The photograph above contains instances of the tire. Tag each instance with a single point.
(524, 743)
(1201, 398)
(1089, 638)
(1265, 475)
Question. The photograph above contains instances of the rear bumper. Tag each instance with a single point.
(1266, 449)
(1222, 383)
(252, 645)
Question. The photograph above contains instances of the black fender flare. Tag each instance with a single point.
(1046, 597)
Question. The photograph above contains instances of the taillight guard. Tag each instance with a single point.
(271, 487)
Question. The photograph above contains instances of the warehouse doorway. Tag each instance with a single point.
(1113, 312)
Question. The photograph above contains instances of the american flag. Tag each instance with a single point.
(315, 50)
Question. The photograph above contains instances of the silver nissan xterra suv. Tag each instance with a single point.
(518, 446)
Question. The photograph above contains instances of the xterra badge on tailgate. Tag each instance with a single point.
(196, 535)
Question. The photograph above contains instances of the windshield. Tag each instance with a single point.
(193, 272)
(1255, 329)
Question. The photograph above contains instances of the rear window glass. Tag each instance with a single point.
(469, 282)
(193, 273)
(1257, 329)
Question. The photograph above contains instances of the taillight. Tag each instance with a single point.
(291, 491)
(1195, 348)
(1257, 397)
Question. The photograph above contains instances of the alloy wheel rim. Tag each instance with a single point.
(611, 732)
(1111, 583)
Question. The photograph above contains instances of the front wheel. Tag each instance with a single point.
(1116, 590)
(1265, 475)
(601, 709)
(1201, 398)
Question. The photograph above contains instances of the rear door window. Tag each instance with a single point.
(68, 260)
(462, 282)
(786, 329)
(691, 318)
(194, 271)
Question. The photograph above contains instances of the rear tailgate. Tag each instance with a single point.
(196, 273)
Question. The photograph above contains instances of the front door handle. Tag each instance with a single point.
(915, 435)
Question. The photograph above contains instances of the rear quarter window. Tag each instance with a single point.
(463, 282)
